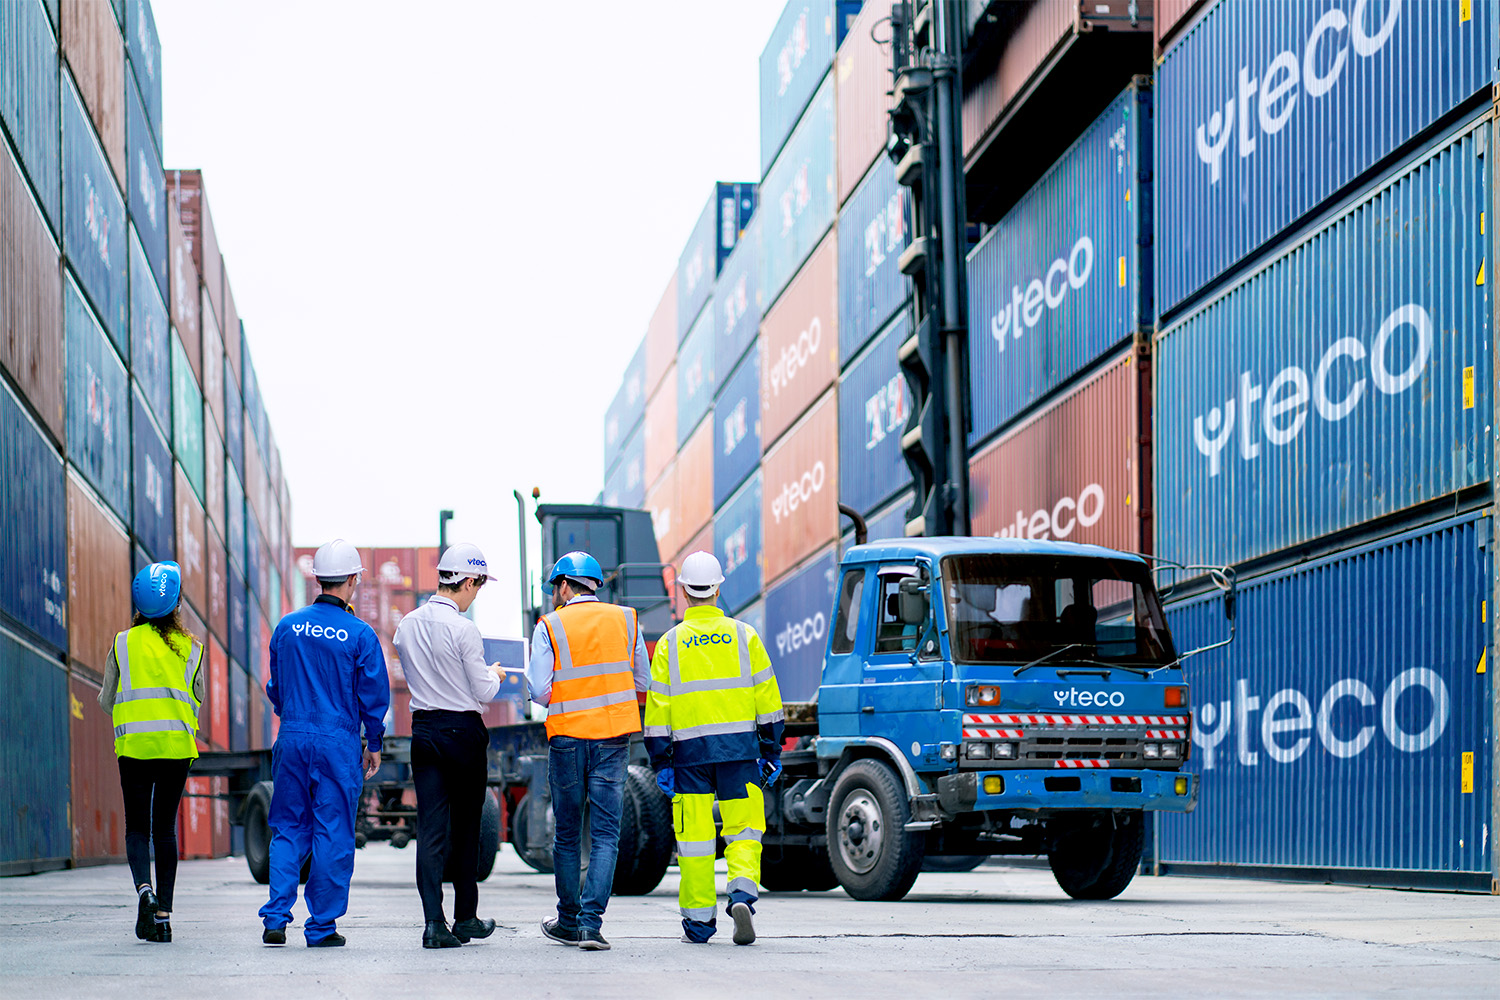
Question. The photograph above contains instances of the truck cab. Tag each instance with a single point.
(986, 696)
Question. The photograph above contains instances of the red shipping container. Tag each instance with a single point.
(400, 711)
(218, 586)
(98, 807)
(265, 651)
(220, 817)
(99, 574)
(95, 50)
(231, 331)
(661, 501)
(257, 714)
(799, 344)
(215, 718)
(213, 472)
(695, 479)
(396, 568)
(1169, 18)
(192, 544)
(799, 509)
(1087, 467)
(185, 190)
(500, 713)
(661, 339)
(863, 69)
(660, 428)
(31, 303)
(426, 564)
(213, 369)
(182, 291)
(195, 820)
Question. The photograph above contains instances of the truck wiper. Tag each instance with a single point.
(1044, 658)
(1138, 671)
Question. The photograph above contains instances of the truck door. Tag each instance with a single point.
(901, 691)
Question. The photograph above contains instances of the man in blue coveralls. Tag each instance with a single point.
(327, 676)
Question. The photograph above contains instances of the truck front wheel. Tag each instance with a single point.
(1095, 855)
(872, 853)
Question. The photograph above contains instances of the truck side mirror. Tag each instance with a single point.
(1231, 598)
(912, 602)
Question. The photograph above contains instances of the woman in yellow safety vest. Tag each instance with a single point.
(153, 688)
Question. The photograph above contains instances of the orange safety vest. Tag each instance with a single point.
(593, 680)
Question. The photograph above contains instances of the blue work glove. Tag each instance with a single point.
(666, 780)
(770, 770)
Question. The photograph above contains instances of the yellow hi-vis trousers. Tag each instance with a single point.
(744, 824)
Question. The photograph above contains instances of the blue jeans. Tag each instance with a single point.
(592, 772)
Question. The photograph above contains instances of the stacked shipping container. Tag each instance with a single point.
(113, 418)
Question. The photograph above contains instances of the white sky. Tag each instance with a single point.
(441, 220)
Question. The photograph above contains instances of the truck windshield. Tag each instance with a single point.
(1016, 608)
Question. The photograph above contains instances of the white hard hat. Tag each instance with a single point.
(335, 560)
(461, 560)
(701, 574)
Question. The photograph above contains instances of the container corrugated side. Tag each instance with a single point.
(98, 439)
(94, 225)
(695, 479)
(95, 52)
(737, 421)
(715, 234)
(99, 573)
(1241, 163)
(737, 299)
(695, 375)
(234, 335)
(34, 512)
(1346, 380)
(1078, 471)
(661, 337)
(874, 404)
(146, 189)
(192, 544)
(31, 316)
(1168, 17)
(1346, 727)
(863, 71)
(182, 291)
(1064, 278)
(626, 485)
(661, 502)
(660, 426)
(873, 232)
(29, 100)
(798, 197)
(1044, 28)
(96, 804)
(234, 422)
(737, 543)
(218, 586)
(799, 344)
(150, 338)
(213, 363)
(797, 623)
(240, 687)
(627, 408)
(239, 618)
(186, 190)
(801, 489)
(187, 418)
(213, 474)
(143, 52)
(35, 834)
(214, 719)
(792, 65)
(153, 505)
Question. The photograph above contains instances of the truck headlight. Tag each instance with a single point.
(948, 751)
(1005, 751)
(982, 696)
(977, 751)
(1151, 751)
(1171, 750)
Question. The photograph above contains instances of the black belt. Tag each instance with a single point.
(444, 715)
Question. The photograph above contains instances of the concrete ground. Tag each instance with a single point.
(992, 931)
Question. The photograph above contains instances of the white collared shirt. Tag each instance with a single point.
(442, 656)
(539, 666)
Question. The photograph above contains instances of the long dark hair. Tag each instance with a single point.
(169, 626)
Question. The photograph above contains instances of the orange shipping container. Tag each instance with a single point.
(799, 509)
(192, 544)
(661, 427)
(661, 339)
(426, 566)
(98, 806)
(799, 343)
(99, 572)
(214, 719)
(213, 367)
(182, 297)
(662, 502)
(95, 50)
(31, 313)
(695, 479)
(185, 190)
(218, 586)
(195, 833)
(1169, 18)
(863, 68)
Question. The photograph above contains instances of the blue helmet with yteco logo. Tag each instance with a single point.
(156, 589)
(578, 566)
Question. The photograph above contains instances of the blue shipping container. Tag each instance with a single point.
(717, 231)
(98, 405)
(797, 625)
(626, 409)
(737, 428)
(150, 341)
(240, 688)
(147, 188)
(234, 424)
(239, 618)
(1343, 381)
(626, 485)
(234, 513)
(695, 376)
(1064, 278)
(29, 100)
(874, 403)
(1267, 110)
(754, 615)
(154, 512)
(737, 544)
(799, 196)
(737, 299)
(144, 48)
(34, 756)
(94, 230)
(873, 231)
(795, 60)
(1346, 726)
(34, 515)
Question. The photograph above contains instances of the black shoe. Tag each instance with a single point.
(334, 940)
(161, 932)
(145, 915)
(744, 930)
(592, 941)
(437, 935)
(562, 935)
(473, 927)
(273, 935)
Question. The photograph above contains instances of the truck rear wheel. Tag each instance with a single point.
(872, 853)
(258, 832)
(796, 869)
(646, 836)
(527, 814)
(489, 839)
(1095, 855)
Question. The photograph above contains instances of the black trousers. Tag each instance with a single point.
(449, 766)
(153, 790)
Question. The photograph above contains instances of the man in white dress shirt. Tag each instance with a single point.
(442, 656)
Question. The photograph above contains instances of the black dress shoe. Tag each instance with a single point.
(562, 935)
(161, 932)
(334, 940)
(273, 935)
(473, 927)
(592, 941)
(437, 935)
(145, 915)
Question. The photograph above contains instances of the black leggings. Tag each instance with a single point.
(153, 789)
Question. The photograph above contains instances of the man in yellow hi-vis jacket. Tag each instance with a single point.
(713, 729)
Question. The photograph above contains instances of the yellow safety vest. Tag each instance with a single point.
(156, 712)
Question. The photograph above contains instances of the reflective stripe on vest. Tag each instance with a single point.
(155, 712)
(593, 679)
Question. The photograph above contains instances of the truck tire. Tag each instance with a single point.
(646, 835)
(1096, 855)
(489, 839)
(869, 848)
(953, 863)
(797, 869)
(536, 859)
(257, 819)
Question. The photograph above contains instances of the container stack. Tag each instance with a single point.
(115, 416)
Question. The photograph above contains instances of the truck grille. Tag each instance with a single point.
(1076, 741)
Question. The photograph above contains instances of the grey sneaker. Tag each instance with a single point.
(592, 940)
(744, 930)
(562, 935)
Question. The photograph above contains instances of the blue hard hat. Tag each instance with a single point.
(579, 565)
(155, 589)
